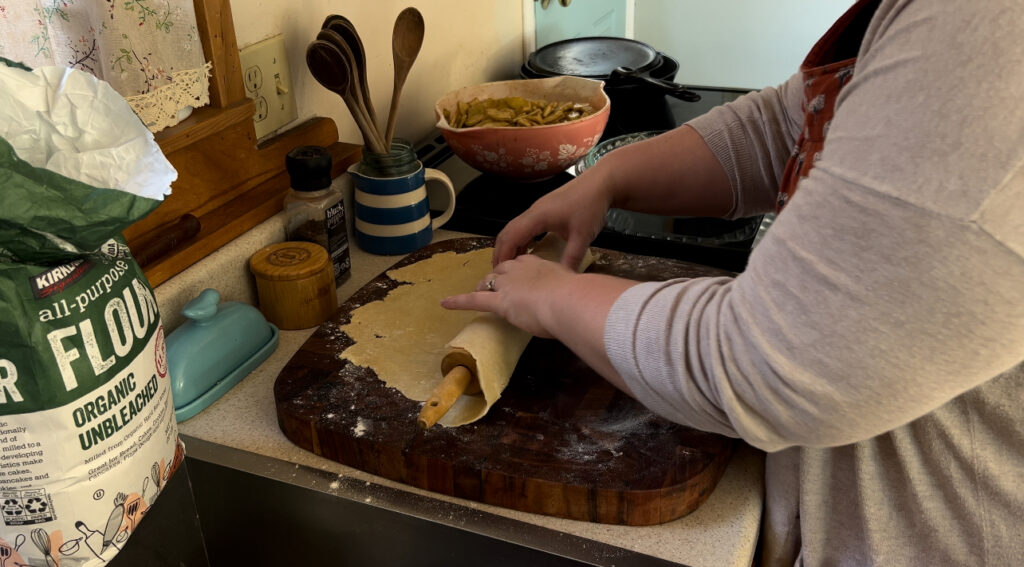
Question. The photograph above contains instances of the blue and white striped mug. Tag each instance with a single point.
(393, 213)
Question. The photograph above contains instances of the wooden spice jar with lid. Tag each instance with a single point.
(295, 283)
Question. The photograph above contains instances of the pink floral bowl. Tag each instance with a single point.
(527, 153)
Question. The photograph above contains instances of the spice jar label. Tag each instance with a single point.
(337, 240)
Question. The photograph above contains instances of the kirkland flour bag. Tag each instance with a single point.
(87, 431)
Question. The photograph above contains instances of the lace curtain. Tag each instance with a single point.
(148, 50)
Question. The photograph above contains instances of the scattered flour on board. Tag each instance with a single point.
(605, 435)
(360, 428)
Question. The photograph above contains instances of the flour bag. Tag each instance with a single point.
(87, 432)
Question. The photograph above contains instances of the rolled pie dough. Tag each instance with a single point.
(405, 336)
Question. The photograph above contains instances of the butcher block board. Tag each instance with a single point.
(560, 441)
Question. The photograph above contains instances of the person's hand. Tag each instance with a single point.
(519, 290)
(574, 211)
(549, 300)
(674, 174)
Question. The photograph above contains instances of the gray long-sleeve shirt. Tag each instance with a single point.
(874, 344)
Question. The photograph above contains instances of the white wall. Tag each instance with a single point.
(735, 43)
(583, 18)
(465, 43)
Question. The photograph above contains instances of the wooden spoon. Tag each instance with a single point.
(330, 69)
(357, 88)
(347, 30)
(406, 40)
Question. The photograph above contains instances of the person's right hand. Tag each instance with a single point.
(574, 211)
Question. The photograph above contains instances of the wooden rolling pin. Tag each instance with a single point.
(460, 377)
(498, 345)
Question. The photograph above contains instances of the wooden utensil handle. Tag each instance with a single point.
(441, 400)
(168, 238)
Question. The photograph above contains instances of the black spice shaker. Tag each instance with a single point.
(314, 210)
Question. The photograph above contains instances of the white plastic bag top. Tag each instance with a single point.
(72, 123)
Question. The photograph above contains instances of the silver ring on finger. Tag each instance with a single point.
(490, 285)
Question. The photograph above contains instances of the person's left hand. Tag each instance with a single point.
(520, 290)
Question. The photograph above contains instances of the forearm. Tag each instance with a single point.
(727, 162)
(575, 314)
(675, 173)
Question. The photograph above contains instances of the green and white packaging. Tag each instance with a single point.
(87, 432)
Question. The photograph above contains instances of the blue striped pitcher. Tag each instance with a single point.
(392, 213)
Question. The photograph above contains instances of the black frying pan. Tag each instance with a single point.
(615, 60)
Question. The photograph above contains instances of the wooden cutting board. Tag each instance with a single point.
(560, 441)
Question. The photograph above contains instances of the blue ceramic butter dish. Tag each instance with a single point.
(219, 345)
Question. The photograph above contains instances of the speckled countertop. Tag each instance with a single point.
(723, 531)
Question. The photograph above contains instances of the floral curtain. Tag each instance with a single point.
(148, 50)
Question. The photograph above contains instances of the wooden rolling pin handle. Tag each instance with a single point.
(441, 400)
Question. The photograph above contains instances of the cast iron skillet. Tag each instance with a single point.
(615, 60)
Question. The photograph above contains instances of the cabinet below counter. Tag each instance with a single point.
(242, 426)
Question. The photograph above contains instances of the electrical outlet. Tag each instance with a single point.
(262, 111)
(269, 83)
(253, 79)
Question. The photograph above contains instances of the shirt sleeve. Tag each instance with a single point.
(892, 282)
(753, 137)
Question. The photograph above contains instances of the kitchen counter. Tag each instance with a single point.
(723, 531)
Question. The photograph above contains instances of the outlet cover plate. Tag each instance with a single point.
(269, 83)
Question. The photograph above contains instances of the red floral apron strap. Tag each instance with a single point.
(829, 66)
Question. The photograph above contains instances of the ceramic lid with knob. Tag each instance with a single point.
(214, 349)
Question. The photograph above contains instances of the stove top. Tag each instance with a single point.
(485, 203)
